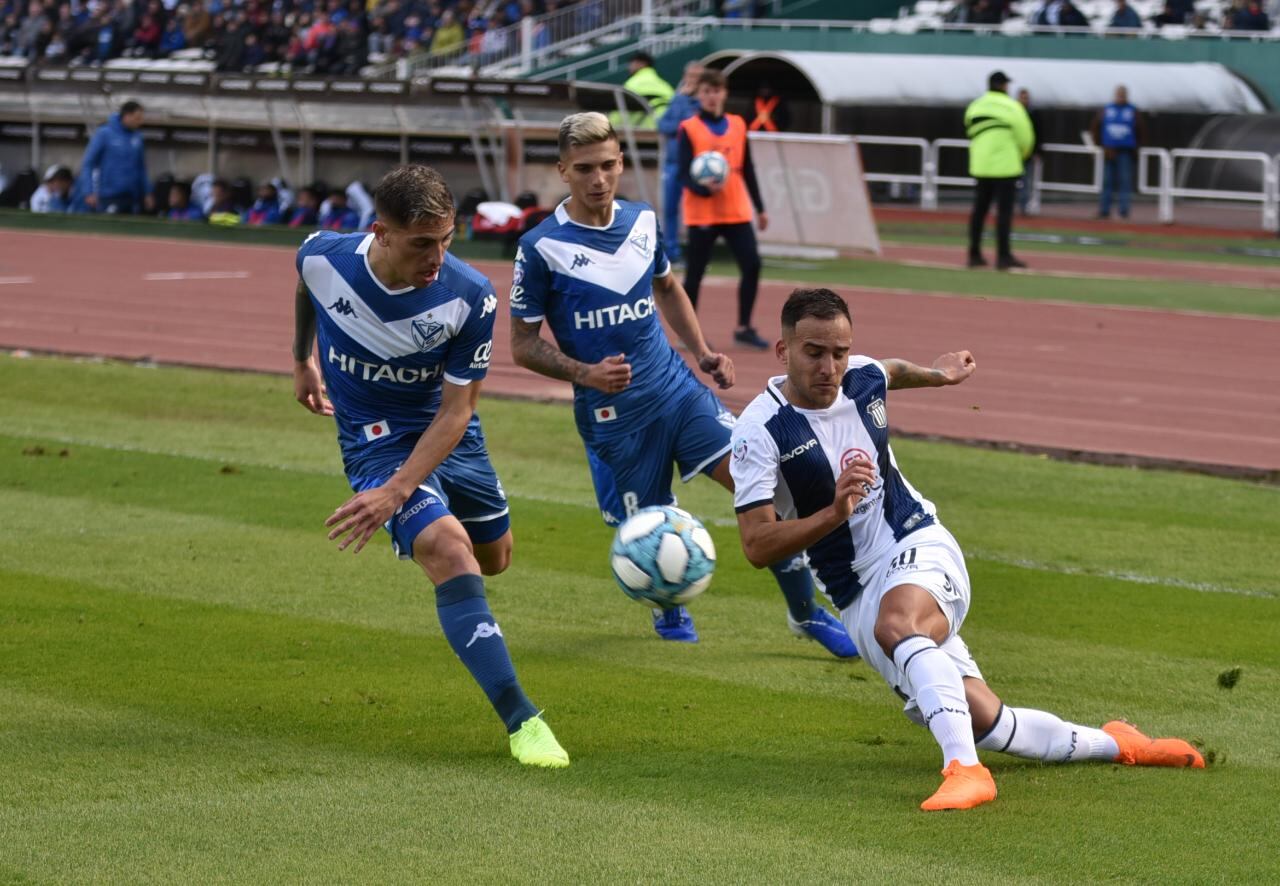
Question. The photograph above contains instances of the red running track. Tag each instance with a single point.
(1159, 386)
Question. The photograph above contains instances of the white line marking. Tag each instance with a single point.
(4, 280)
(972, 553)
(197, 275)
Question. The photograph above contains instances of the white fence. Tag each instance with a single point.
(1169, 162)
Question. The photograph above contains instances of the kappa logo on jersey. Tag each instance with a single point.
(427, 334)
(343, 307)
(614, 314)
(490, 304)
(517, 297)
(641, 243)
(876, 410)
(480, 359)
(419, 506)
(799, 450)
(579, 261)
(484, 630)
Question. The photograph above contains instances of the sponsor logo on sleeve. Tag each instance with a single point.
(480, 359)
(517, 298)
(490, 305)
(739, 450)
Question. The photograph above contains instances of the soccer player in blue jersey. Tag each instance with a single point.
(597, 272)
(405, 332)
(815, 472)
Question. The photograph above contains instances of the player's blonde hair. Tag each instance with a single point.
(586, 128)
(412, 194)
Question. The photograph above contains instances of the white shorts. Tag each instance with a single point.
(931, 559)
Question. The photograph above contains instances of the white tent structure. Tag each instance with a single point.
(844, 79)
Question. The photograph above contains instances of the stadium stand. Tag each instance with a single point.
(333, 37)
(1173, 19)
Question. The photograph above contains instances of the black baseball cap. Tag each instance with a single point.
(998, 79)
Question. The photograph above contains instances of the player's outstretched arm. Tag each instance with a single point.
(530, 350)
(308, 385)
(949, 369)
(360, 516)
(675, 306)
(766, 539)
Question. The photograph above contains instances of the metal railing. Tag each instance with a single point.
(539, 40)
(1165, 189)
(668, 34)
(1013, 27)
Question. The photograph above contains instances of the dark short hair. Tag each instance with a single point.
(820, 303)
(411, 194)
(129, 107)
(712, 77)
(643, 57)
(997, 79)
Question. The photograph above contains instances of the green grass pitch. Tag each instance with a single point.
(196, 686)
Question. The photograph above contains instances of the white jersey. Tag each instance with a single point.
(789, 458)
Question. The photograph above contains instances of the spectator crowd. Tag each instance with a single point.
(1237, 15)
(336, 37)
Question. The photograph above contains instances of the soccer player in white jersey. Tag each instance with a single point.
(405, 331)
(596, 271)
(814, 472)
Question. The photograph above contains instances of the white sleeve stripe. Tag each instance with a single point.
(537, 319)
(455, 380)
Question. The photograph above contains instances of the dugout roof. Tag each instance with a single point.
(899, 80)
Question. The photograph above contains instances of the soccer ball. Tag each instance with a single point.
(662, 557)
(709, 169)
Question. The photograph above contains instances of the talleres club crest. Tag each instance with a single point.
(875, 409)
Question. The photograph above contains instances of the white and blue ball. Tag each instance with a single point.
(662, 557)
(709, 169)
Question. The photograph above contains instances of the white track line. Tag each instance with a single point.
(974, 553)
(197, 275)
(7, 280)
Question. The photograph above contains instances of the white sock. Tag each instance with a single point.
(1026, 732)
(939, 692)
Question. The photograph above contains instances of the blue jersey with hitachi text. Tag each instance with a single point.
(594, 287)
(385, 353)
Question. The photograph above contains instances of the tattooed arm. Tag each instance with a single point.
(949, 369)
(308, 386)
(532, 351)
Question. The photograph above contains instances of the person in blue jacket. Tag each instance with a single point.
(113, 174)
(684, 104)
(1119, 128)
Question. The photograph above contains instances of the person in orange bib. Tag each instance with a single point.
(725, 211)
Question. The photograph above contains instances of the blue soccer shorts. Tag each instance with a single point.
(465, 485)
(634, 471)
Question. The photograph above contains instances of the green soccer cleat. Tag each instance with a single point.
(534, 744)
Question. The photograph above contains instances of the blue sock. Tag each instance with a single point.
(474, 634)
(797, 586)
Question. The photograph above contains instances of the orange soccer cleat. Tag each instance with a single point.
(962, 788)
(1137, 749)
